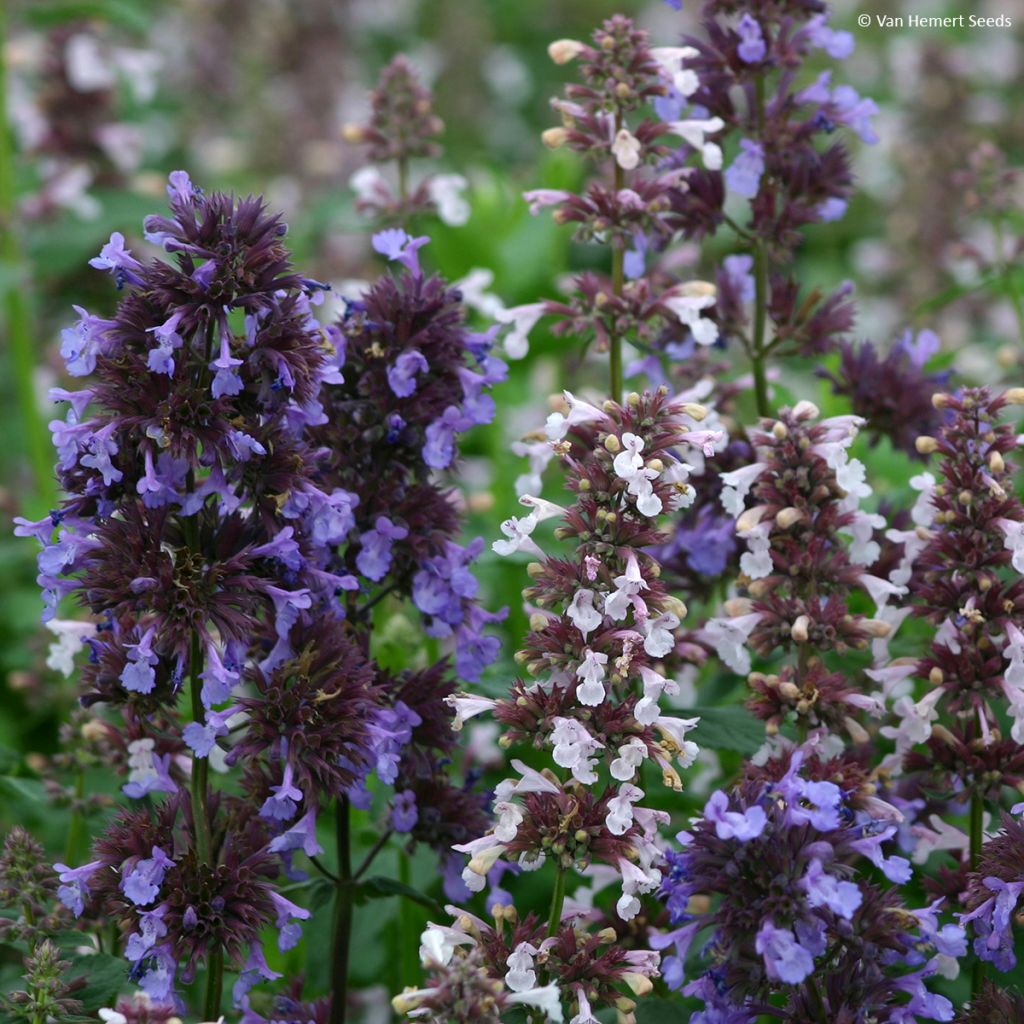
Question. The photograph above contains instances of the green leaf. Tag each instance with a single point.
(23, 789)
(380, 887)
(659, 1011)
(105, 976)
(730, 728)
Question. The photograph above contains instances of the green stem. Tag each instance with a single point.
(407, 944)
(214, 984)
(977, 838)
(618, 280)
(557, 900)
(22, 346)
(757, 354)
(342, 932)
(200, 765)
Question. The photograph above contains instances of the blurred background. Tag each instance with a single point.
(104, 97)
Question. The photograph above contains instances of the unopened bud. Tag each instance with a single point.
(805, 410)
(780, 431)
(534, 570)
(562, 51)
(788, 517)
(694, 411)
(935, 677)
(857, 731)
(876, 627)
(749, 519)
(1015, 396)
(799, 632)
(789, 690)
(925, 445)
(538, 622)
(352, 133)
(613, 444)
(996, 463)
(640, 984)
(941, 400)
(554, 137)
(675, 606)
(93, 730)
(606, 935)
(737, 606)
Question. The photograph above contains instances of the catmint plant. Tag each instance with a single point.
(608, 118)
(780, 873)
(403, 128)
(748, 66)
(602, 628)
(191, 536)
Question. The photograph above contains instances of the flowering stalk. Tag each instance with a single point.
(602, 631)
(757, 51)
(606, 117)
(403, 128)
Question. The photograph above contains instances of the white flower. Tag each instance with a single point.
(626, 149)
(579, 412)
(915, 720)
(518, 531)
(923, 512)
(864, 550)
(510, 817)
(473, 288)
(646, 710)
(545, 999)
(584, 616)
(521, 976)
(694, 131)
(629, 466)
(586, 1014)
(631, 756)
(1013, 680)
(591, 671)
(757, 562)
(368, 184)
(673, 733)
(629, 460)
(574, 749)
(523, 320)
(1014, 541)
(467, 706)
(737, 486)
(620, 809)
(445, 191)
(893, 679)
(438, 942)
(112, 1017)
(880, 590)
(630, 583)
(729, 638)
(70, 637)
(684, 80)
(635, 880)
(658, 637)
(540, 454)
(687, 309)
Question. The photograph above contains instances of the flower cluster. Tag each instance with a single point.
(799, 574)
(608, 117)
(403, 128)
(603, 629)
(782, 871)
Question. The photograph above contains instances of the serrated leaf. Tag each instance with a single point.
(105, 976)
(730, 728)
(380, 887)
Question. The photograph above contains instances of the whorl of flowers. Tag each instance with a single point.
(747, 70)
(799, 573)
(415, 378)
(607, 118)
(603, 627)
(402, 128)
(967, 559)
(893, 395)
(783, 875)
(993, 893)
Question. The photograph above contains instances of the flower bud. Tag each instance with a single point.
(554, 137)
(780, 431)
(788, 517)
(562, 51)
(799, 631)
(694, 411)
(352, 133)
(875, 627)
(737, 606)
(941, 400)
(996, 463)
(805, 410)
(640, 984)
(1015, 396)
(926, 445)
(613, 444)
